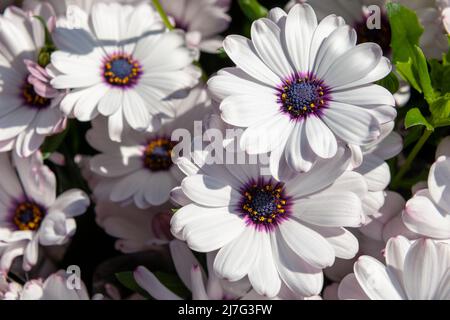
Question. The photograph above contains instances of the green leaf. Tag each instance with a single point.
(390, 82)
(127, 280)
(252, 9)
(440, 108)
(440, 76)
(173, 283)
(424, 75)
(407, 55)
(415, 118)
(406, 31)
(52, 143)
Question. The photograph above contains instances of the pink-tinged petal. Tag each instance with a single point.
(375, 280)
(148, 281)
(423, 216)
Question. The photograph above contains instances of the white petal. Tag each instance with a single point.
(421, 271)
(363, 59)
(264, 274)
(209, 191)
(439, 183)
(320, 138)
(246, 110)
(237, 258)
(266, 38)
(338, 43)
(310, 182)
(148, 281)
(206, 229)
(396, 250)
(352, 124)
(375, 280)
(243, 54)
(300, 25)
(296, 273)
(307, 244)
(422, 216)
(343, 209)
(299, 154)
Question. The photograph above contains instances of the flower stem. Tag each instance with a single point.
(407, 165)
(163, 14)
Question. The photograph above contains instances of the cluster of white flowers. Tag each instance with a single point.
(309, 199)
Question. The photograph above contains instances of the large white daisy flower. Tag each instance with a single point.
(300, 87)
(121, 63)
(202, 20)
(30, 212)
(272, 231)
(428, 211)
(417, 270)
(26, 117)
(139, 170)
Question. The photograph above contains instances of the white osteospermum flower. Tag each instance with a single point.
(53, 288)
(30, 212)
(122, 64)
(202, 20)
(428, 211)
(300, 87)
(272, 231)
(26, 117)
(139, 170)
(201, 286)
(136, 229)
(417, 270)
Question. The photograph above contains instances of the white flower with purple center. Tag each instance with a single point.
(414, 270)
(300, 88)
(121, 63)
(28, 110)
(30, 212)
(140, 170)
(278, 233)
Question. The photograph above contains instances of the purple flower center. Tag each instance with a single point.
(302, 96)
(28, 216)
(264, 204)
(32, 99)
(158, 154)
(121, 70)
